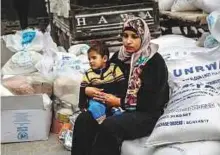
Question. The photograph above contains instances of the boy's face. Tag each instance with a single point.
(96, 61)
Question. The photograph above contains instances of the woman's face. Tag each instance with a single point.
(131, 41)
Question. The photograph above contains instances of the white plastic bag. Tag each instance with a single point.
(211, 42)
(22, 63)
(165, 5)
(14, 42)
(47, 102)
(183, 5)
(68, 64)
(214, 24)
(79, 49)
(191, 115)
(194, 148)
(207, 5)
(46, 64)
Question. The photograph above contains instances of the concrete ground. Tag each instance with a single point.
(49, 147)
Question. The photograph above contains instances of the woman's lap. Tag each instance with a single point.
(129, 125)
(90, 136)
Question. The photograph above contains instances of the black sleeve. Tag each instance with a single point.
(154, 92)
(125, 68)
(83, 99)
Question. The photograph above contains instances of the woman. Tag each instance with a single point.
(147, 92)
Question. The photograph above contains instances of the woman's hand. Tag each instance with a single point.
(109, 99)
(93, 92)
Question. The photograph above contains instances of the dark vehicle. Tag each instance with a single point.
(97, 20)
(37, 14)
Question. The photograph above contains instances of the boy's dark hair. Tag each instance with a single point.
(100, 48)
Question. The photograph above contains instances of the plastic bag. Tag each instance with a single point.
(211, 42)
(46, 64)
(32, 38)
(213, 21)
(79, 49)
(21, 63)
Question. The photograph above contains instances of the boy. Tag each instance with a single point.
(103, 75)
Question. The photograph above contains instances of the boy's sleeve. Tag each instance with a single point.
(82, 95)
(118, 74)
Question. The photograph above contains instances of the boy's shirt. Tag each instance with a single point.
(111, 79)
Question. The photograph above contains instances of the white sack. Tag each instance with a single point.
(175, 46)
(136, 147)
(207, 5)
(172, 39)
(192, 114)
(165, 5)
(183, 5)
(203, 66)
(22, 63)
(194, 148)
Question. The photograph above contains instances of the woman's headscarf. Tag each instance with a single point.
(137, 59)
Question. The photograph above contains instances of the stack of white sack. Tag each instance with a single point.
(27, 45)
(207, 6)
(193, 111)
(67, 70)
(177, 48)
(192, 114)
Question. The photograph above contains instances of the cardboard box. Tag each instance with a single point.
(23, 118)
